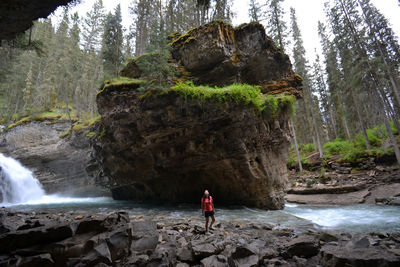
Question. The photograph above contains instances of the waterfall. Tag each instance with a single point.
(17, 183)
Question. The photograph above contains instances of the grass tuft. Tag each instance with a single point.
(248, 95)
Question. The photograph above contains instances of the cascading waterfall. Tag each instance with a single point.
(17, 183)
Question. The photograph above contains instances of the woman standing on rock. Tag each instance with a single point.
(207, 207)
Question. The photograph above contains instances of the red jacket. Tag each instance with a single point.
(207, 203)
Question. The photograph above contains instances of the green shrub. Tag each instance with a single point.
(306, 148)
(337, 147)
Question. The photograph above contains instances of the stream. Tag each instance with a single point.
(21, 191)
(360, 218)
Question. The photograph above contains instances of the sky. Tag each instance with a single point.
(308, 12)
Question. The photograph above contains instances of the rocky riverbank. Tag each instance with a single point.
(342, 184)
(117, 239)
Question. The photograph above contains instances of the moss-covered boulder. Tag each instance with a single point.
(170, 144)
(217, 54)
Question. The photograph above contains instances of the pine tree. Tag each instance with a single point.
(347, 25)
(300, 66)
(28, 88)
(384, 45)
(275, 24)
(92, 27)
(113, 43)
(255, 12)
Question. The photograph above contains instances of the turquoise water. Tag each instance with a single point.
(353, 218)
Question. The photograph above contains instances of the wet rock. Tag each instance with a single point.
(119, 244)
(394, 201)
(327, 199)
(244, 256)
(185, 254)
(360, 243)
(30, 225)
(276, 262)
(43, 260)
(340, 256)
(25, 238)
(300, 262)
(138, 260)
(268, 253)
(164, 255)
(60, 164)
(303, 246)
(215, 261)
(327, 237)
(144, 235)
(100, 254)
(325, 189)
(202, 249)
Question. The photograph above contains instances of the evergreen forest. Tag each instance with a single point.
(351, 93)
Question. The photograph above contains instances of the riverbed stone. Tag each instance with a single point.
(43, 260)
(304, 246)
(202, 249)
(119, 243)
(25, 238)
(144, 235)
(341, 256)
(185, 254)
(215, 261)
(244, 255)
(100, 254)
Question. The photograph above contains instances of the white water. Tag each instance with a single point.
(20, 190)
(18, 186)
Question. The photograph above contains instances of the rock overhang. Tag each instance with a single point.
(18, 16)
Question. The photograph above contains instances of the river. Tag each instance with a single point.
(360, 218)
(21, 191)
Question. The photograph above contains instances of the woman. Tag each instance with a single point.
(207, 207)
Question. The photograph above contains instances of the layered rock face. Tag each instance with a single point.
(61, 165)
(163, 146)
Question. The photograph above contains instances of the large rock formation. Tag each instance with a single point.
(217, 54)
(17, 16)
(165, 146)
(62, 165)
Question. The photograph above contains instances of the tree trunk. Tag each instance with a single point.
(362, 125)
(296, 146)
(346, 128)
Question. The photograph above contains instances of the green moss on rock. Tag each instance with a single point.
(120, 82)
(244, 94)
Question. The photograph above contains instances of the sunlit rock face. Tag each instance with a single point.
(165, 147)
(17, 16)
